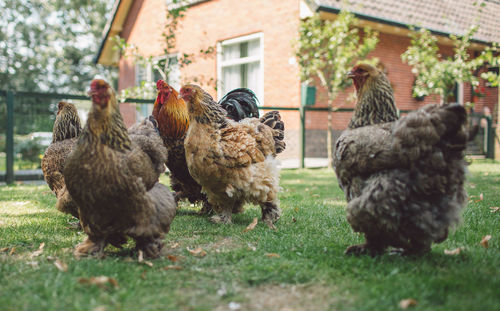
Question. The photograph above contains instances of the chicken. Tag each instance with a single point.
(64, 136)
(114, 180)
(171, 113)
(403, 179)
(240, 104)
(234, 162)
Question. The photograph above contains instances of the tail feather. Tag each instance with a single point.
(273, 120)
(240, 103)
(430, 127)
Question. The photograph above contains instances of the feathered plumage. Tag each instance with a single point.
(66, 129)
(114, 179)
(240, 104)
(403, 179)
(171, 113)
(232, 161)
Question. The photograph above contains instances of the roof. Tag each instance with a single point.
(108, 56)
(440, 16)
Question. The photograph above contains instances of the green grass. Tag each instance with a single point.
(311, 272)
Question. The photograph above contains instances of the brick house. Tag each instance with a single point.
(253, 44)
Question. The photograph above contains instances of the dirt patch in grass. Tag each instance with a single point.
(288, 298)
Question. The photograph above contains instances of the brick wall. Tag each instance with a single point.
(210, 22)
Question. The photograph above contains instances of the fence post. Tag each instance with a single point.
(302, 112)
(9, 146)
(490, 136)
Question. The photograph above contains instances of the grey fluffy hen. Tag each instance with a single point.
(403, 179)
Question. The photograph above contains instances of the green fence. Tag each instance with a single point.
(25, 114)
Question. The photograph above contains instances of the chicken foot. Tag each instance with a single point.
(373, 247)
(270, 214)
(151, 246)
(92, 247)
(222, 218)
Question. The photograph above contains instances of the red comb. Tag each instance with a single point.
(160, 84)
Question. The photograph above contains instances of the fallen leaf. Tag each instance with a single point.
(4, 249)
(12, 251)
(484, 241)
(100, 281)
(494, 209)
(173, 258)
(273, 255)
(100, 308)
(172, 267)
(143, 275)
(296, 209)
(480, 198)
(251, 247)
(61, 266)
(252, 225)
(405, 303)
(294, 219)
(175, 245)
(455, 251)
(315, 195)
(197, 252)
(473, 186)
(33, 264)
(51, 258)
(39, 251)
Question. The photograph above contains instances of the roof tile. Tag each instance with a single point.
(445, 16)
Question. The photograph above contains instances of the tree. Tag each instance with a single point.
(491, 56)
(49, 45)
(326, 50)
(435, 75)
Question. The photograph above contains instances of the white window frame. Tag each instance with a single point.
(250, 59)
(149, 79)
(149, 68)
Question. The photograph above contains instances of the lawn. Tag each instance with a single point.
(299, 266)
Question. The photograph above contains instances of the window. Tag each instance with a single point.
(150, 73)
(240, 64)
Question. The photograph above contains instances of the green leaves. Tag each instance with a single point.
(327, 49)
(50, 45)
(434, 73)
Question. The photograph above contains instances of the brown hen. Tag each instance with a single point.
(65, 132)
(403, 179)
(114, 180)
(170, 112)
(234, 162)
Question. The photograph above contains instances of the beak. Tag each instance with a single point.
(350, 75)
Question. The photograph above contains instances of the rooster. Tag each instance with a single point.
(403, 179)
(234, 162)
(170, 111)
(240, 104)
(114, 180)
(65, 132)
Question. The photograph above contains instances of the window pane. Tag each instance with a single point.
(231, 78)
(253, 79)
(140, 74)
(253, 48)
(174, 73)
(231, 52)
